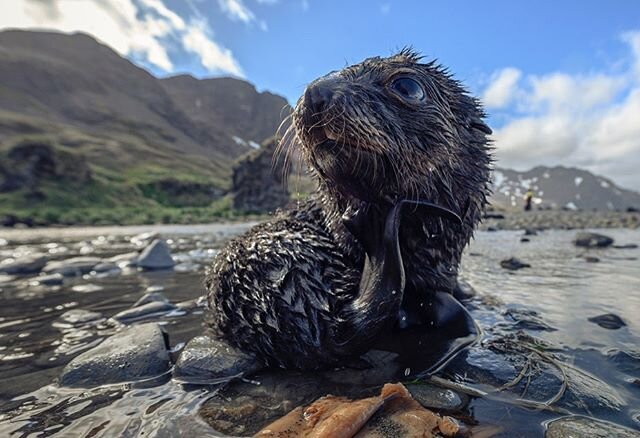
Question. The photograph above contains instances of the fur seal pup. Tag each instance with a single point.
(402, 159)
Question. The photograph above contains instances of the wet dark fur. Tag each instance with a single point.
(282, 289)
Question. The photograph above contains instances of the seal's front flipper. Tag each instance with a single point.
(426, 349)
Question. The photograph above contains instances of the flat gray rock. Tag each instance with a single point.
(206, 360)
(156, 256)
(148, 310)
(592, 240)
(105, 267)
(151, 297)
(136, 353)
(48, 280)
(31, 264)
(74, 266)
(125, 260)
(584, 427)
(434, 397)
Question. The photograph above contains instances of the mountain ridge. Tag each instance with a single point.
(144, 139)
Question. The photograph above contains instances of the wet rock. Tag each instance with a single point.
(30, 264)
(79, 316)
(189, 304)
(626, 246)
(524, 239)
(434, 397)
(524, 319)
(125, 260)
(513, 264)
(206, 360)
(144, 238)
(148, 310)
(105, 267)
(636, 418)
(584, 427)
(151, 297)
(74, 266)
(530, 232)
(501, 359)
(608, 321)
(156, 256)
(626, 361)
(48, 280)
(590, 259)
(136, 353)
(592, 240)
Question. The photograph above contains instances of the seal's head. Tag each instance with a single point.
(395, 128)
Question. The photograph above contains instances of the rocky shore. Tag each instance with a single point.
(559, 219)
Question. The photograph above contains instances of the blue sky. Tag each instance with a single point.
(560, 79)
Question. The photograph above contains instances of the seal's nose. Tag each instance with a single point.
(319, 94)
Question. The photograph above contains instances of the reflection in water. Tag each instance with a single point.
(42, 327)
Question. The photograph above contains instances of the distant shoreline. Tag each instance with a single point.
(559, 219)
(495, 221)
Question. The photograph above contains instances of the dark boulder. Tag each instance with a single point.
(258, 185)
(206, 360)
(592, 240)
(136, 353)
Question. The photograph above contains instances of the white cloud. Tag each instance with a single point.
(501, 89)
(587, 120)
(237, 10)
(212, 56)
(144, 28)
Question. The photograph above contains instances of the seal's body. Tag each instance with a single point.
(386, 139)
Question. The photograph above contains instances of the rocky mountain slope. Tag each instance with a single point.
(561, 187)
(138, 140)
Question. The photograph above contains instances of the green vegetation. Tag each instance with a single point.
(48, 181)
(217, 211)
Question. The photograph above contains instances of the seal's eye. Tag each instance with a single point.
(408, 88)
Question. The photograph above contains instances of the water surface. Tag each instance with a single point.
(558, 293)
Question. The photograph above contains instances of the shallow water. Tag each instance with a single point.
(552, 301)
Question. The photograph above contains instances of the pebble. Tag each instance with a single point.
(584, 427)
(148, 310)
(434, 397)
(72, 266)
(592, 240)
(47, 280)
(513, 264)
(608, 321)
